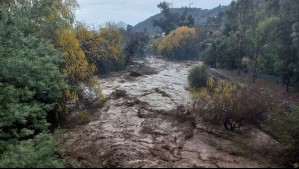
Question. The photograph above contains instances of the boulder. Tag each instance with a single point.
(141, 70)
(88, 94)
(135, 74)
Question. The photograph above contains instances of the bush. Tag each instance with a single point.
(110, 65)
(233, 105)
(35, 153)
(284, 126)
(198, 76)
(179, 44)
(31, 85)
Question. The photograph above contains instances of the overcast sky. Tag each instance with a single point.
(132, 11)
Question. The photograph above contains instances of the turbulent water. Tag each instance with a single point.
(146, 122)
(163, 91)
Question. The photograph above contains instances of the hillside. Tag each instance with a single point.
(200, 16)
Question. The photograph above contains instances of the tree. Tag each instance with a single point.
(102, 45)
(287, 61)
(185, 20)
(272, 7)
(222, 51)
(238, 18)
(43, 17)
(170, 20)
(243, 8)
(258, 37)
(53, 20)
(34, 77)
(31, 82)
(179, 44)
(75, 62)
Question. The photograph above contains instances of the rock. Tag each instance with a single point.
(118, 94)
(135, 74)
(142, 70)
(147, 70)
(88, 94)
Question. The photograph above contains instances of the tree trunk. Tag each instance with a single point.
(239, 70)
(288, 85)
(255, 65)
(240, 55)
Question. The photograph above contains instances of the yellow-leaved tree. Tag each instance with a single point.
(53, 20)
(75, 62)
(103, 44)
(179, 44)
(75, 65)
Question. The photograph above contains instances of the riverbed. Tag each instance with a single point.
(147, 122)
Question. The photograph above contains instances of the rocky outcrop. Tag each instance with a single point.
(88, 94)
(141, 70)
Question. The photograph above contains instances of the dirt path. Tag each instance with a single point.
(146, 123)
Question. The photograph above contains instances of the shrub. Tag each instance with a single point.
(284, 126)
(179, 44)
(35, 153)
(30, 85)
(198, 76)
(230, 104)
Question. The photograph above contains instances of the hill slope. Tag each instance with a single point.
(200, 16)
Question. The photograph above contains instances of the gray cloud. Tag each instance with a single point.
(131, 11)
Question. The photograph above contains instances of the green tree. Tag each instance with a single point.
(186, 20)
(222, 52)
(31, 84)
(30, 81)
(244, 8)
(33, 153)
(52, 20)
(258, 37)
(170, 20)
(287, 60)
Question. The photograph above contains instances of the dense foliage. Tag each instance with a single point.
(198, 76)
(179, 44)
(41, 64)
(284, 126)
(31, 84)
(33, 153)
(110, 48)
(44, 58)
(135, 43)
(43, 61)
(223, 102)
(171, 20)
(99, 45)
(260, 37)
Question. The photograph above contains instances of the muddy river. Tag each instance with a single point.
(146, 122)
